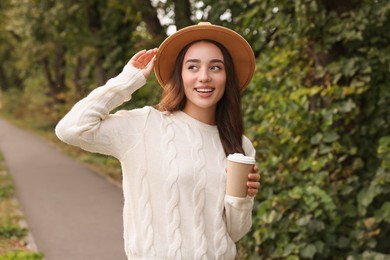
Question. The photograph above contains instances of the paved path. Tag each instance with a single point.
(72, 212)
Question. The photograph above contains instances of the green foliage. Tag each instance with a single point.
(54, 53)
(6, 188)
(6, 191)
(10, 231)
(31, 106)
(320, 120)
(22, 255)
(317, 108)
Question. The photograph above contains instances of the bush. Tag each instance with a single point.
(322, 136)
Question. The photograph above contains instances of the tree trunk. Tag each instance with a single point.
(182, 13)
(56, 82)
(149, 16)
(100, 73)
(60, 64)
(94, 17)
(341, 6)
(81, 63)
(3, 79)
(47, 73)
(95, 25)
(323, 58)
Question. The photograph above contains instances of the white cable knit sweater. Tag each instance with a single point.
(173, 174)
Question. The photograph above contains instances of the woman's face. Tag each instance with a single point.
(204, 77)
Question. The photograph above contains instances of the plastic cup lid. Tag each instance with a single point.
(240, 158)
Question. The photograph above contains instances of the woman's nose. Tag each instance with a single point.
(204, 75)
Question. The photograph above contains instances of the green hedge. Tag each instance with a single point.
(322, 135)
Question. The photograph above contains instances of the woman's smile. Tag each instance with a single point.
(204, 90)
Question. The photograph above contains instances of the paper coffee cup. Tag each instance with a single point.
(238, 168)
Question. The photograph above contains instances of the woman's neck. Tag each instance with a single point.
(206, 116)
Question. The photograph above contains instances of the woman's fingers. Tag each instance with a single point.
(149, 67)
(142, 58)
(253, 185)
(255, 169)
(145, 57)
(252, 192)
(254, 177)
(135, 60)
(253, 182)
(144, 61)
(138, 55)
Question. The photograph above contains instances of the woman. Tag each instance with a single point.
(173, 158)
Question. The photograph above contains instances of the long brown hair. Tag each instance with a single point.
(228, 114)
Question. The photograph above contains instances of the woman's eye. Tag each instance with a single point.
(192, 67)
(215, 68)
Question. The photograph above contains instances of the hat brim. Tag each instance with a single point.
(240, 50)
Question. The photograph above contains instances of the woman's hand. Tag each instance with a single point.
(253, 182)
(144, 61)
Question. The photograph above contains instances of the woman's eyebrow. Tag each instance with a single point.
(192, 60)
(217, 60)
(198, 61)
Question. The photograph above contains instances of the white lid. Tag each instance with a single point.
(239, 157)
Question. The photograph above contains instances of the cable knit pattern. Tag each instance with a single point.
(173, 184)
(173, 194)
(220, 241)
(144, 202)
(198, 195)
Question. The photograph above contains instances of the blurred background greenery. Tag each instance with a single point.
(317, 108)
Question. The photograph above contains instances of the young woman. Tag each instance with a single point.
(173, 158)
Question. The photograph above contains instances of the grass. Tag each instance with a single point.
(13, 243)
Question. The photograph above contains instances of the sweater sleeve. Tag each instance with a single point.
(238, 216)
(89, 125)
(239, 210)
